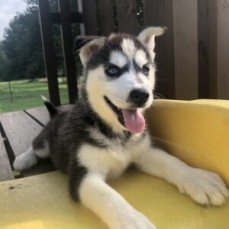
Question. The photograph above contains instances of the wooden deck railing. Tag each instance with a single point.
(193, 56)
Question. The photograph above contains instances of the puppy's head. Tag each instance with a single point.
(120, 73)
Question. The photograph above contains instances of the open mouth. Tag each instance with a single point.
(131, 119)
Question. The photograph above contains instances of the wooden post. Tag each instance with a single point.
(203, 49)
(207, 48)
(49, 53)
(160, 13)
(222, 49)
(90, 17)
(127, 19)
(80, 10)
(185, 48)
(105, 17)
(11, 93)
(69, 61)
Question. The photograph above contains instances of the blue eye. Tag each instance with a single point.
(112, 70)
(145, 69)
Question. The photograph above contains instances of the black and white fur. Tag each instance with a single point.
(91, 142)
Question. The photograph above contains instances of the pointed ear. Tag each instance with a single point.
(147, 37)
(87, 45)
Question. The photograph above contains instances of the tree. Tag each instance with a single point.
(22, 43)
(3, 64)
(22, 46)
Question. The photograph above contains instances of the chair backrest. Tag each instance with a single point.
(192, 57)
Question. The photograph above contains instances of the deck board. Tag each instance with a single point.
(5, 168)
(20, 130)
(39, 113)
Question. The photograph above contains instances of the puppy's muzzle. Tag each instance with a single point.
(138, 97)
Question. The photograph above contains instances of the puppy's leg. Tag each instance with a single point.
(203, 186)
(25, 160)
(111, 207)
(39, 149)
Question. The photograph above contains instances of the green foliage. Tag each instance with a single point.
(22, 46)
(3, 64)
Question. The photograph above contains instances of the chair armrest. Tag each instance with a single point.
(195, 131)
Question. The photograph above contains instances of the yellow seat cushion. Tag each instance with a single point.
(195, 131)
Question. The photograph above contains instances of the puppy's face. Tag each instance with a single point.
(120, 74)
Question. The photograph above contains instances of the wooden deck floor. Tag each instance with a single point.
(17, 130)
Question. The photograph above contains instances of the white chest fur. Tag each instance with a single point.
(111, 161)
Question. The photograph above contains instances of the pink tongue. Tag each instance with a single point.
(134, 121)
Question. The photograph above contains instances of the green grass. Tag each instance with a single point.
(26, 94)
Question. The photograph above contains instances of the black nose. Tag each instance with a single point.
(138, 96)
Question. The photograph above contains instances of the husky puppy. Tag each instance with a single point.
(104, 133)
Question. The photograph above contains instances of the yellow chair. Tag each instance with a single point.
(195, 131)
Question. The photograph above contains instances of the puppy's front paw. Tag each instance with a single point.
(134, 220)
(206, 188)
